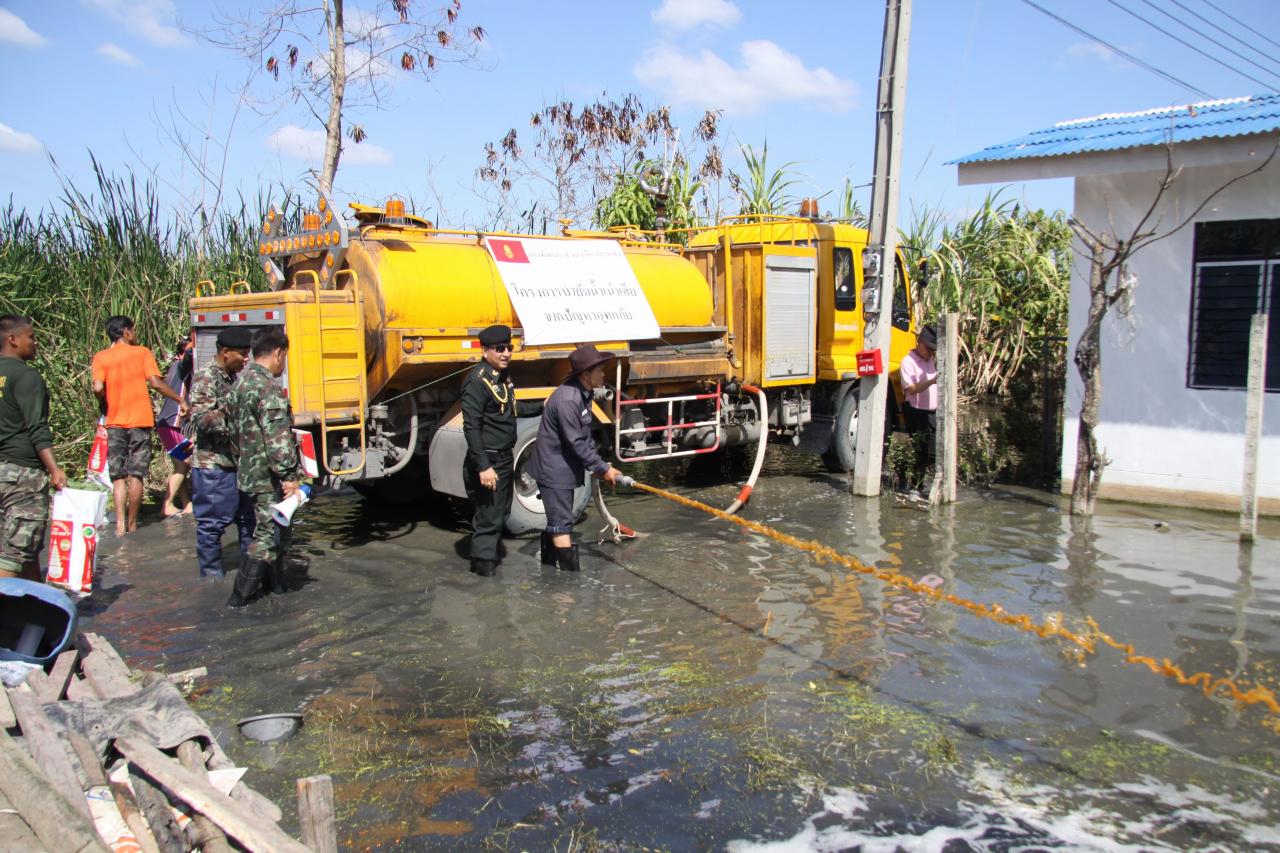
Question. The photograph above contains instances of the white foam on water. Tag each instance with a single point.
(1012, 816)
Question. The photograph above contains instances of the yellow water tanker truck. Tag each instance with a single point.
(755, 334)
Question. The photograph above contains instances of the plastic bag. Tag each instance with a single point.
(73, 538)
(97, 467)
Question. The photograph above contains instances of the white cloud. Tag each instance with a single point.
(767, 73)
(687, 14)
(308, 146)
(155, 21)
(18, 142)
(15, 31)
(1092, 51)
(115, 53)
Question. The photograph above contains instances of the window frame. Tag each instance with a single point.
(1267, 262)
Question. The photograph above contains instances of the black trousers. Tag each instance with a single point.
(492, 507)
(922, 424)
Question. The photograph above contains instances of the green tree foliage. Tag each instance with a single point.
(631, 204)
(760, 190)
(111, 252)
(1007, 272)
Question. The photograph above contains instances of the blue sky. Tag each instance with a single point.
(106, 76)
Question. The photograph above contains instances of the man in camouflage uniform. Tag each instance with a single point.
(216, 499)
(27, 465)
(268, 468)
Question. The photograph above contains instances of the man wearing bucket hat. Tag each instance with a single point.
(919, 375)
(216, 500)
(565, 451)
(489, 425)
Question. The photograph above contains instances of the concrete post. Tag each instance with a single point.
(1255, 393)
(879, 266)
(947, 451)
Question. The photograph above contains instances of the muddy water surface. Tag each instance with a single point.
(707, 688)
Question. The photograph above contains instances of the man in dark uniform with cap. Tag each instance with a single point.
(489, 425)
(565, 452)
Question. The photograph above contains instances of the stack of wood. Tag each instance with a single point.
(55, 794)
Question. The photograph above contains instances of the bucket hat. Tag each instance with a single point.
(586, 357)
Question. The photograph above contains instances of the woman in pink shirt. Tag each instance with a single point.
(919, 375)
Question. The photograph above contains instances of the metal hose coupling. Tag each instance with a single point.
(625, 481)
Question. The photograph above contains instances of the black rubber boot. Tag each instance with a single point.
(275, 581)
(567, 558)
(484, 568)
(548, 549)
(248, 580)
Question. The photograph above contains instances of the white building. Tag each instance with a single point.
(1173, 405)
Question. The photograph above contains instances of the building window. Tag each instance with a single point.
(1235, 274)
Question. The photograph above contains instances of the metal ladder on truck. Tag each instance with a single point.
(350, 375)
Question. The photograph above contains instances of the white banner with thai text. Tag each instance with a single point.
(573, 291)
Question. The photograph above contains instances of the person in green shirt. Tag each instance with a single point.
(27, 463)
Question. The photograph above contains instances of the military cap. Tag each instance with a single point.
(494, 335)
(235, 337)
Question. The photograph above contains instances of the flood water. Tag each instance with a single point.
(704, 687)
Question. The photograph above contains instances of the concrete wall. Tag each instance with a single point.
(1167, 442)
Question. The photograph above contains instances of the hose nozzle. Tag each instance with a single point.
(625, 481)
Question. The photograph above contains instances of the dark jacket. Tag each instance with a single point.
(565, 450)
(24, 413)
(488, 414)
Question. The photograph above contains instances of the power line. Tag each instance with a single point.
(1226, 32)
(1184, 42)
(1240, 22)
(1210, 38)
(1111, 47)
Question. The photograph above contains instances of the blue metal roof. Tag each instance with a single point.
(1118, 131)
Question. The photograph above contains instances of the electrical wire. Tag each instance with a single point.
(1225, 32)
(1210, 38)
(1111, 47)
(1226, 14)
(1185, 43)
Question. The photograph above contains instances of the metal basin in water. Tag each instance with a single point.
(270, 727)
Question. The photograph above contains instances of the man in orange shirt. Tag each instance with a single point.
(122, 373)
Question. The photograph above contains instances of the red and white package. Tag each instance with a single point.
(73, 538)
(307, 452)
(97, 467)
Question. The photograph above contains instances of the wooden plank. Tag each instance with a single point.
(59, 677)
(78, 690)
(47, 750)
(55, 822)
(14, 833)
(155, 807)
(209, 838)
(187, 675)
(106, 670)
(7, 719)
(315, 813)
(96, 775)
(106, 679)
(253, 833)
(37, 681)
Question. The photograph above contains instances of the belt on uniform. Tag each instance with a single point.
(508, 451)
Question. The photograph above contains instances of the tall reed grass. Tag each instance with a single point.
(112, 250)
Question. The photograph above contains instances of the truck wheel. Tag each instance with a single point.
(527, 512)
(842, 453)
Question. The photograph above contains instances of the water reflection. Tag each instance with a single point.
(703, 683)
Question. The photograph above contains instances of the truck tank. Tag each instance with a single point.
(426, 294)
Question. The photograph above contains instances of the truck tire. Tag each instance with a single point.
(842, 453)
(527, 512)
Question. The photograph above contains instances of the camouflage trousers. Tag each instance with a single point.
(270, 540)
(24, 515)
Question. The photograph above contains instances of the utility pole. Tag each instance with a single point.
(879, 268)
